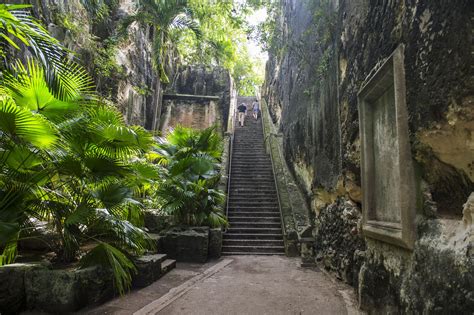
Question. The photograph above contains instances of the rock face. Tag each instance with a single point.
(338, 242)
(120, 65)
(322, 53)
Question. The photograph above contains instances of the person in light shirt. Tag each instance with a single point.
(255, 109)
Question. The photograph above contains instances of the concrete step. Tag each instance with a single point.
(252, 236)
(228, 253)
(238, 218)
(253, 249)
(248, 190)
(252, 230)
(167, 266)
(249, 155)
(247, 170)
(252, 242)
(254, 168)
(254, 214)
(249, 194)
(254, 200)
(266, 202)
(234, 199)
(250, 185)
(254, 224)
(257, 225)
(252, 208)
(249, 174)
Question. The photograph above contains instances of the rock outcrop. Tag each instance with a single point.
(119, 63)
(321, 54)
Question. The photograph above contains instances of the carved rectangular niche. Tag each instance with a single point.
(388, 183)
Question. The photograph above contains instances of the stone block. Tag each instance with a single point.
(155, 222)
(187, 244)
(148, 270)
(215, 243)
(63, 291)
(12, 294)
(96, 285)
(388, 178)
(53, 291)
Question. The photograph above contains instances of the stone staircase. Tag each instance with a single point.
(254, 214)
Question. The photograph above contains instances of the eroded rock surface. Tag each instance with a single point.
(323, 52)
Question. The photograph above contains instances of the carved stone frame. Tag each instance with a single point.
(402, 233)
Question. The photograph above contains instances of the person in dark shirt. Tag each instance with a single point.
(242, 109)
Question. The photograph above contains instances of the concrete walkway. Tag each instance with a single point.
(238, 285)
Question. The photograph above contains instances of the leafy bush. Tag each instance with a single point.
(190, 175)
(66, 157)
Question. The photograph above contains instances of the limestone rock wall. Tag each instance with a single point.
(322, 52)
(121, 65)
(198, 112)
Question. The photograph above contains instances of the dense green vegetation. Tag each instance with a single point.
(188, 190)
(215, 33)
(68, 159)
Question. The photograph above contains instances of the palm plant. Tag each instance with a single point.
(65, 157)
(163, 16)
(188, 190)
(69, 160)
(18, 27)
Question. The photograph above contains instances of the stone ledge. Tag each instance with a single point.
(294, 211)
(190, 97)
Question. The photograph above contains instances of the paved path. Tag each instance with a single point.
(237, 285)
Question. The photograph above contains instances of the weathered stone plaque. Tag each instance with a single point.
(388, 180)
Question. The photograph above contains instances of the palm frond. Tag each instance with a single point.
(112, 258)
(10, 251)
(124, 234)
(16, 21)
(20, 123)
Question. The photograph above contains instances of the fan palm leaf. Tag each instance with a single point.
(29, 88)
(18, 123)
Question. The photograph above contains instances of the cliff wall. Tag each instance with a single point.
(323, 52)
(119, 63)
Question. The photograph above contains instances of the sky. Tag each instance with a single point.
(254, 49)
